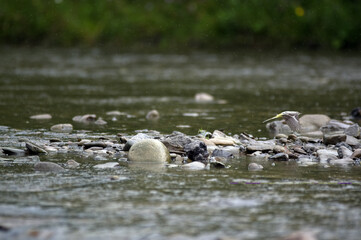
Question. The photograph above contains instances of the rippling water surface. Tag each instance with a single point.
(156, 203)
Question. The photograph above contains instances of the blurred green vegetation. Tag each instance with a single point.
(169, 24)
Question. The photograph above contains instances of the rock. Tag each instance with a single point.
(299, 150)
(313, 134)
(342, 162)
(234, 150)
(327, 154)
(352, 141)
(278, 127)
(344, 152)
(72, 164)
(255, 167)
(100, 121)
(222, 153)
(135, 139)
(306, 161)
(197, 151)
(115, 113)
(281, 135)
(194, 166)
(149, 150)
(301, 235)
(152, 115)
(48, 167)
(214, 163)
(13, 151)
(334, 126)
(176, 142)
(62, 128)
(356, 113)
(95, 144)
(353, 130)
(222, 141)
(203, 97)
(356, 154)
(279, 157)
(106, 165)
(34, 149)
(333, 138)
(207, 142)
(279, 149)
(87, 118)
(313, 122)
(260, 146)
(41, 117)
(50, 149)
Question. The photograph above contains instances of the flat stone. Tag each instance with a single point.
(94, 144)
(48, 167)
(149, 150)
(13, 151)
(194, 166)
(279, 157)
(356, 153)
(263, 147)
(222, 141)
(34, 149)
(115, 113)
(334, 138)
(106, 165)
(62, 128)
(41, 117)
(255, 167)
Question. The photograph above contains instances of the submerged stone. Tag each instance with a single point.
(13, 151)
(48, 167)
(255, 167)
(149, 150)
(152, 115)
(41, 117)
(334, 138)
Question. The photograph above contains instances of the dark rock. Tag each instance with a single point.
(48, 167)
(279, 157)
(176, 142)
(342, 162)
(334, 138)
(197, 151)
(95, 144)
(222, 153)
(356, 113)
(34, 149)
(353, 130)
(13, 151)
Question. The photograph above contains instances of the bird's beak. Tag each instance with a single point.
(275, 117)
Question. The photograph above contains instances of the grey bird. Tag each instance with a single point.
(291, 119)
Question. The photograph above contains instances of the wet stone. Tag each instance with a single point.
(48, 167)
(62, 128)
(107, 165)
(94, 144)
(352, 141)
(327, 154)
(100, 121)
(279, 157)
(152, 115)
(342, 162)
(194, 166)
(149, 150)
(344, 152)
(13, 151)
(41, 117)
(87, 118)
(334, 138)
(222, 153)
(263, 147)
(176, 142)
(255, 167)
(197, 151)
(34, 149)
(72, 164)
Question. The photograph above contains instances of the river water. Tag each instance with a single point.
(153, 203)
